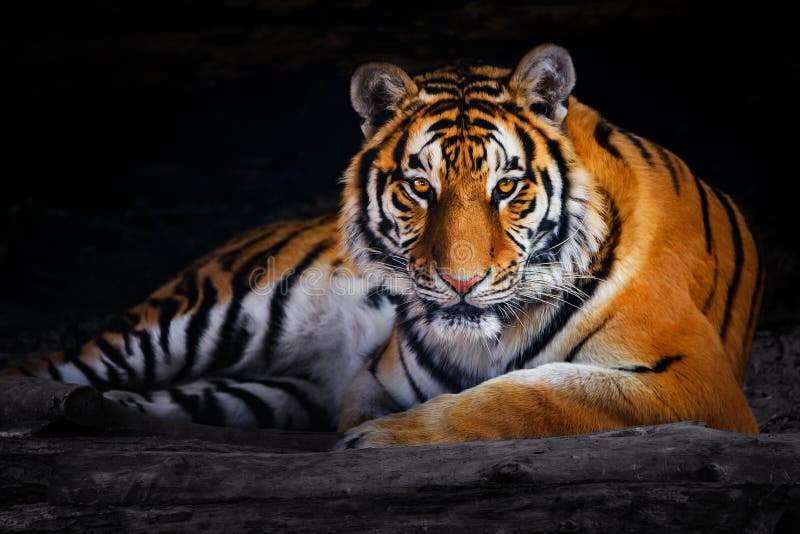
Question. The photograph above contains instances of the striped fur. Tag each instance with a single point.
(505, 263)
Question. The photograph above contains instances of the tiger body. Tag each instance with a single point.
(505, 264)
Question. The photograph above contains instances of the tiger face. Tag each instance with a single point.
(466, 198)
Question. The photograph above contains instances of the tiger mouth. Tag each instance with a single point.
(461, 312)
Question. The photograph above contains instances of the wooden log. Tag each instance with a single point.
(678, 477)
(23, 400)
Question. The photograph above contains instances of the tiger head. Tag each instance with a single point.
(466, 198)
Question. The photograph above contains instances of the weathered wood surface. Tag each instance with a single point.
(679, 477)
(24, 400)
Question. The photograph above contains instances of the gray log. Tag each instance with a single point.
(25, 400)
(681, 477)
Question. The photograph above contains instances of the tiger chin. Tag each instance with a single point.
(516, 266)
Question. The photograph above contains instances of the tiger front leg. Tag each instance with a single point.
(558, 399)
(382, 386)
(365, 399)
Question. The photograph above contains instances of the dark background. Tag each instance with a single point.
(140, 135)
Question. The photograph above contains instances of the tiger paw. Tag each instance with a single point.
(425, 424)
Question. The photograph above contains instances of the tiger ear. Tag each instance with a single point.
(376, 89)
(544, 80)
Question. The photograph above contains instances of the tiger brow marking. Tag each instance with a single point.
(414, 162)
(513, 164)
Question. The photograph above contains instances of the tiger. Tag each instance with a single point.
(505, 263)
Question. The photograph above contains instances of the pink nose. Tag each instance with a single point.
(462, 287)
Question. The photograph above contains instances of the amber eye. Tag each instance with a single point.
(421, 185)
(505, 186)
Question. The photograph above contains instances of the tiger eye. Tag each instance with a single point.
(505, 186)
(421, 185)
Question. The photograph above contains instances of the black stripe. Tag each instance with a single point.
(707, 303)
(574, 352)
(281, 295)
(212, 413)
(602, 133)
(71, 356)
(573, 302)
(373, 370)
(483, 123)
(241, 280)
(319, 418)
(408, 242)
(167, 308)
(555, 151)
(441, 124)
(232, 338)
(511, 237)
(453, 379)
(704, 209)
(55, 374)
(261, 411)
(530, 174)
(670, 167)
(126, 344)
(207, 412)
(197, 326)
(116, 357)
(431, 90)
(139, 407)
(187, 288)
(373, 363)
(661, 365)
(757, 289)
(547, 182)
(376, 248)
(738, 253)
(527, 145)
(22, 369)
(227, 352)
(112, 375)
(146, 345)
(417, 392)
(491, 90)
(227, 259)
(384, 225)
(639, 145)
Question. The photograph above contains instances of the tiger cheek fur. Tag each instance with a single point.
(505, 263)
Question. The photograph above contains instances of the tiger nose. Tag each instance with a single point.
(461, 285)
